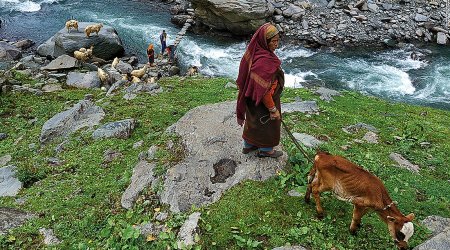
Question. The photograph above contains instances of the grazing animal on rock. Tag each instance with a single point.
(135, 79)
(192, 71)
(364, 190)
(93, 28)
(81, 54)
(89, 51)
(139, 72)
(71, 24)
(114, 63)
(104, 77)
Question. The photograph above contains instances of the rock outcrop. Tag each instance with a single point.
(82, 114)
(239, 17)
(214, 161)
(9, 52)
(107, 43)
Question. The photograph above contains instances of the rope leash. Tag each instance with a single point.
(296, 142)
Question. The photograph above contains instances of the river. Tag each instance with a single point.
(390, 74)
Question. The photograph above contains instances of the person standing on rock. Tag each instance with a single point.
(260, 82)
(163, 39)
(151, 55)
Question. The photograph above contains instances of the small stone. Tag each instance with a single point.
(138, 144)
(294, 193)
(3, 136)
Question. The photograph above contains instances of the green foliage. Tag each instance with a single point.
(80, 199)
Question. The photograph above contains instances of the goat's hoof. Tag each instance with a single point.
(307, 199)
(320, 216)
(353, 232)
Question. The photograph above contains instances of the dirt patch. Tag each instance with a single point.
(223, 169)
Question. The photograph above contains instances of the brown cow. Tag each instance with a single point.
(350, 182)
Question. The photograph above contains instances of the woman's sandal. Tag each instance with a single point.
(248, 150)
(275, 154)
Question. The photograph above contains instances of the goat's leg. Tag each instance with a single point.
(316, 194)
(311, 177)
(358, 213)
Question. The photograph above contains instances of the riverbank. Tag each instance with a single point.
(74, 186)
(337, 23)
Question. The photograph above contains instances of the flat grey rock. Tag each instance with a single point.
(61, 63)
(142, 177)
(436, 224)
(214, 161)
(290, 248)
(404, 163)
(327, 94)
(303, 107)
(11, 218)
(118, 129)
(83, 80)
(439, 242)
(307, 140)
(49, 237)
(187, 232)
(4, 160)
(9, 183)
(83, 114)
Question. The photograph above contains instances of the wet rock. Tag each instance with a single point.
(9, 52)
(24, 44)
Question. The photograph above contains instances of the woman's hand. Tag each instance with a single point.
(275, 115)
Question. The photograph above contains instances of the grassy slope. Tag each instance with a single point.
(80, 200)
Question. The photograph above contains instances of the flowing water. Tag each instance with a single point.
(390, 74)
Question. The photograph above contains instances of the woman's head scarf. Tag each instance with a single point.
(257, 69)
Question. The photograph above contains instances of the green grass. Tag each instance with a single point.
(80, 199)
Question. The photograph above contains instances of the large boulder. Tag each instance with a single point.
(214, 161)
(81, 80)
(241, 17)
(82, 114)
(9, 52)
(107, 43)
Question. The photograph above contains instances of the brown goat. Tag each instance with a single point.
(350, 182)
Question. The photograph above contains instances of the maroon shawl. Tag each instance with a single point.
(256, 71)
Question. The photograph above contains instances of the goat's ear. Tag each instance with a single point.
(410, 216)
(391, 219)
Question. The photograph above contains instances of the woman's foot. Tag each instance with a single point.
(248, 150)
(272, 154)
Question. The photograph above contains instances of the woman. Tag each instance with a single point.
(151, 55)
(260, 83)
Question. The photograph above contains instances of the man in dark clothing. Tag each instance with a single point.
(163, 39)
